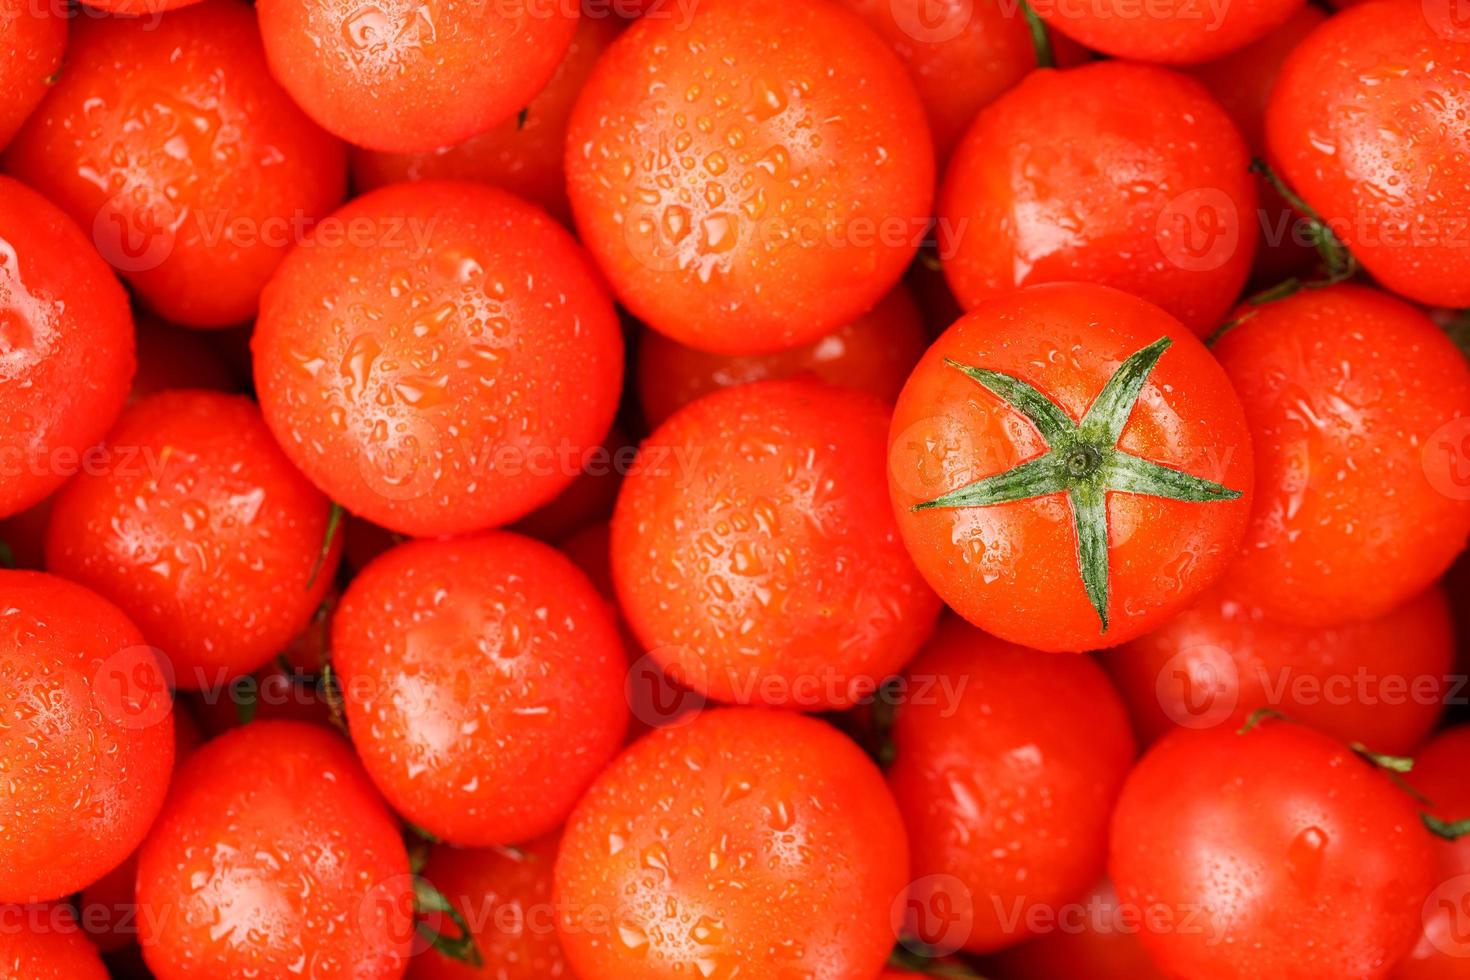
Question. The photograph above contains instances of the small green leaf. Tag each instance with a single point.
(1127, 473)
(1258, 716)
(334, 521)
(1393, 763)
(1090, 514)
(1049, 419)
(1103, 424)
(1448, 829)
(1040, 39)
(428, 899)
(1036, 478)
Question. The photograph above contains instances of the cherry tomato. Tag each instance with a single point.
(1274, 853)
(1443, 949)
(523, 154)
(483, 680)
(435, 370)
(1358, 405)
(873, 353)
(505, 896)
(754, 179)
(412, 77)
(791, 871)
(1008, 761)
(166, 139)
(1364, 123)
(198, 528)
(86, 743)
(1111, 528)
(1095, 938)
(756, 556)
(1172, 32)
(66, 347)
(272, 857)
(32, 45)
(43, 942)
(1381, 681)
(1120, 174)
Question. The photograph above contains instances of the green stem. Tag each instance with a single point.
(1040, 39)
(334, 521)
(428, 900)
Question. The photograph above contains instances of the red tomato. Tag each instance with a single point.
(1366, 122)
(523, 154)
(1443, 949)
(1168, 31)
(1008, 762)
(873, 353)
(1381, 682)
(483, 680)
(791, 871)
(1277, 853)
(755, 553)
(198, 528)
(86, 743)
(1069, 547)
(410, 77)
(33, 45)
(1120, 174)
(42, 942)
(1095, 938)
(1359, 408)
(166, 139)
(505, 896)
(273, 856)
(754, 179)
(66, 347)
(435, 371)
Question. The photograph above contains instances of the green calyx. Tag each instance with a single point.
(1082, 461)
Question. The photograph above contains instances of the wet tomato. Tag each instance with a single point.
(1169, 31)
(43, 942)
(1443, 949)
(32, 44)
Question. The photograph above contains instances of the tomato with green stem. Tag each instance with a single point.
(1069, 467)
(1443, 949)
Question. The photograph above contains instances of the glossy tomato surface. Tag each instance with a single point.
(1443, 949)
(44, 942)
(1166, 31)
(32, 43)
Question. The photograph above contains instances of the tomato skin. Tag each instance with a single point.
(1011, 569)
(505, 896)
(755, 554)
(411, 77)
(794, 870)
(1006, 787)
(873, 353)
(45, 943)
(200, 529)
(68, 337)
(1362, 124)
(465, 351)
(166, 139)
(1097, 940)
(1294, 857)
(1121, 174)
(483, 680)
(1349, 393)
(778, 197)
(274, 826)
(1179, 32)
(85, 735)
(1439, 774)
(524, 157)
(35, 43)
(1220, 660)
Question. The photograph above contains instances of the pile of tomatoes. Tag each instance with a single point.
(734, 489)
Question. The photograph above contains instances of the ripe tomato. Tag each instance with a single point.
(411, 77)
(1120, 174)
(1277, 853)
(873, 353)
(523, 154)
(86, 743)
(1443, 949)
(274, 856)
(66, 347)
(1008, 762)
(483, 680)
(1381, 681)
(435, 370)
(754, 179)
(1171, 32)
(166, 139)
(43, 942)
(199, 529)
(505, 896)
(1095, 938)
(790, 871)
(961, 55)
(1119, 523)
(1364, 123)
(32, 45)
(755, 553)
(1358, 406)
